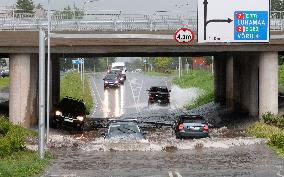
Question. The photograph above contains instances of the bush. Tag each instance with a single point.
(277, 140)
(276, 120)
(12, 137)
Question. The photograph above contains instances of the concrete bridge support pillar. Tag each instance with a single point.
(23, 89)
(220, 79)
(253, 85)
(229, 82)
(268, 83)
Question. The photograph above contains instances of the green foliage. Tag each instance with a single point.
(274, 134)
(12, 137)
(277, 5)
(26, 6)
(22, 164)
(281, 78)
(276, 120)
(71, 85)
(162, 63)
(4, 82)
(198, 79)
(69, 13)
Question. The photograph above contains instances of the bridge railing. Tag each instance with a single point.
(110, 22)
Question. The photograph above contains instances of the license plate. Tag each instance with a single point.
(195, 128)
(68, 120)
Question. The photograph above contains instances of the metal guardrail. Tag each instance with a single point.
(111, 22)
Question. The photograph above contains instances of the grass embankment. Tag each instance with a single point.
(4, 82)
(71, 85)
(199, 79)
(15, 159)
(272, 128)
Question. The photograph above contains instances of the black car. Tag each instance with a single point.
(191, 126)
(111, 80)
(119, 75)
(69, 111)
(159, 94)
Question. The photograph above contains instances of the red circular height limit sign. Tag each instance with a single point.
(184, 35)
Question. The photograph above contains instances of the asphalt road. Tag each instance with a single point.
(225, 153)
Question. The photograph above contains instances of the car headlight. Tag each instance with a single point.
(80, 118)
(58, 113)
(121, 78)
(106, 82)
(116, 82)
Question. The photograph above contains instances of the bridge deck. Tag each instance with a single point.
(27, 42)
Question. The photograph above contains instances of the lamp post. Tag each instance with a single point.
(85, 5)
(48, 72)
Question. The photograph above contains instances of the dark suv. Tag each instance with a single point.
(69, 111)
(111, 80)
(191, 126)
(159, 94)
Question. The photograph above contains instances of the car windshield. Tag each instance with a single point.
(110, 77)
(193, 120)
(158, 89)
(117, 68)
(122, 129)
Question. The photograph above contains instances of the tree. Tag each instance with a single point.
(26, 6)
(68, 13)
(162, 63)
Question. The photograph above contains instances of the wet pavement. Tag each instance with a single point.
(228, 151)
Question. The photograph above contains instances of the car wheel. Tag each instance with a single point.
(53, 124)
(81, 127)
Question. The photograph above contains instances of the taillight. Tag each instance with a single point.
(181, 127)
(206, 128)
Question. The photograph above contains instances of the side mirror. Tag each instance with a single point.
(104, 79)
(125, 70)
(145, 133)
(103, 134)
(169, 90)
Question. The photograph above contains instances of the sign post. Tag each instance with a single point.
(239, 21)
(41, 122)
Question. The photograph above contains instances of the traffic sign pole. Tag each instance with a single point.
(41, 122)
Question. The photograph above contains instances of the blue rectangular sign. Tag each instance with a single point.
(76, 62)
(251, 25)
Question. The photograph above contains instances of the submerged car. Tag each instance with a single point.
(124, 130)
(69, 111)
(159, 94)
(191, 126)
(111, 80)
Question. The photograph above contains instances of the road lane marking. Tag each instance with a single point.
(278, 174)
(171, 174)
(178, 174)
(97, 90)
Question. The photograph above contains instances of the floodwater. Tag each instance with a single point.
(228, 151)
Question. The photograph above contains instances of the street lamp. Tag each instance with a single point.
(86, 3)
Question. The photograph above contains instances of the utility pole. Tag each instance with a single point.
(41, 106)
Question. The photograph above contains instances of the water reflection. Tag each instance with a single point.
(113, 102)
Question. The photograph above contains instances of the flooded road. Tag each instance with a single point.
(228, 152)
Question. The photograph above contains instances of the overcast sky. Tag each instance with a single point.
(147, 6)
